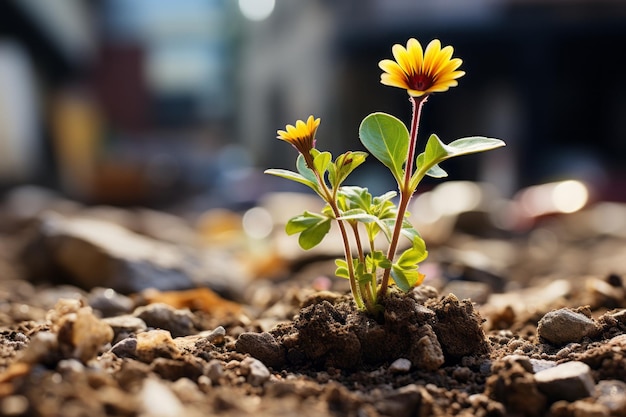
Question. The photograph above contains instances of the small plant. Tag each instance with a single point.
(355, 210)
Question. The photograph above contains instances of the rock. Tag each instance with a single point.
(568, 381)
(256, 372)
(404, 402)
(97, 253)
(565, 326)
(612, 395)
(512, 383)
(217, 336)
(175, 369)
(82, 335)
(215, 371)
(158, 400)
(426, 353)
(162, 316)
(604, 294)
(541, 364)
(125, 348)
(261, 346)
(125, 325)
(400, 366)
(154, 344)
(109, 302)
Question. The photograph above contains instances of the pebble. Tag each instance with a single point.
(215, 371)
(82, 335)
(541, 364)
(127, 262)
(568, 381)
(125, 348)
(158, 400)
(125, 324)
(612, 395)
(109, 302)
(14, 405)
(565, 326)
(427, 352)
(217, 336)
(154, 344)
(162, 316)
(400, 366)
(262, 346)
(255, 371)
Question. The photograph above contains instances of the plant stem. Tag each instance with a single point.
(330, 198)
(357, 239)
(405, 188)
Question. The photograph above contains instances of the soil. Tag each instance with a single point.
(296, 346)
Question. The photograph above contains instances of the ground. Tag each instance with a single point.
(536, 328)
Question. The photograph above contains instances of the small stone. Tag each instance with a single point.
(541, 364)
(404, 402)
(14, 405)
(262, 346)
(612, 395)
(82, 335)
(109, 302)
(400, 366)
(158, 400)
(125, 348)
(217, 336)
(256, 372)
(568, 381)
(427, 352)
(565, 326)
(215, 371)
(155, 344)
(173, 370)
(162, 316)
(125, 325)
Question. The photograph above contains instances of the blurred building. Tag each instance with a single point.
(148, 101)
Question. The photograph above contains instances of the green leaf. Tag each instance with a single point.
(413, 256)
(436, 172)
(387, 138)
(304, 170)
(321, 162)
(342, 269)
(406, 279)
(357, 197)
(365, 278)
(377, 259)
(409, 231)
(436, 151)
(343, 166)
(293, 176)
(359, 215)
(312, 228)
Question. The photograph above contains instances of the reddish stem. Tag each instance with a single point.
(405, 192)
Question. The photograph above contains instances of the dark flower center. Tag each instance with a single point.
(420, 82)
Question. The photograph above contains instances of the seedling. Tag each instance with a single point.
(354, 209)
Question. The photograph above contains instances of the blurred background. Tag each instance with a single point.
(176, 103)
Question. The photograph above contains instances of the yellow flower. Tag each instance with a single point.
(419, 72)
(301, 136)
